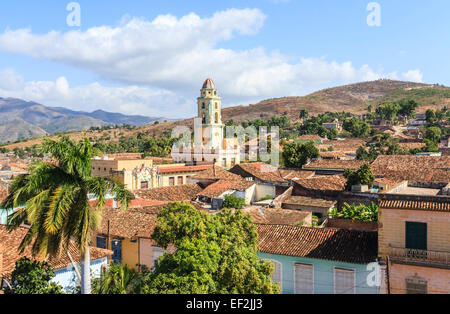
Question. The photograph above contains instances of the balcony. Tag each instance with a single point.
(420, 257)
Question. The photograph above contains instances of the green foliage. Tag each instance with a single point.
(360, 212)
(381, 144)
(430, 116)
(433, 134)
(363, 176)
(214, 254)
(232, 201)
(357, 127)
(32, 277)
(118, 279)
(295, 155)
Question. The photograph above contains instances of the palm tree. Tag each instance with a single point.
(56, 202)
(118, 279)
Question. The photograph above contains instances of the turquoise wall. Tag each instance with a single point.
(66, 277)
(323, 274)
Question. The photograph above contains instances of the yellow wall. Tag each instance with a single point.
(391, 228)
(130, 253)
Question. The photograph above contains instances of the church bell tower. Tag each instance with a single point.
(209, 111)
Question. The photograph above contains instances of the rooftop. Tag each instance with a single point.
(351, 246)
(415, 202)
(216, 189)
(335, 164)
(260, 171)
(323, 183)
(209, 83)
(11, 242)
(273, 216)
(176, 193)
(216, 173)
(309, 201)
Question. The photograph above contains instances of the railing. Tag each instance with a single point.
(421, 256)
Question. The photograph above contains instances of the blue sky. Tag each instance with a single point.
(151, 57)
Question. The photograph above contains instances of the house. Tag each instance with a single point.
(269, 181)
(128, 235)
(310, 138)
(319, 186)
(316, 206)
(414, 242)
(215, 193)
(62, 265)
(319, 260)
(333, 124)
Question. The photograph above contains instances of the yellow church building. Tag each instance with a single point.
(210, 145)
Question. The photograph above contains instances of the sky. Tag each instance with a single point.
(151, 57)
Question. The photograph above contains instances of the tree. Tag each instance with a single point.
(295, 155)
(408, 107)
(232, 201)
(32, 277)
(363, 176)
(430, 116)
(118, 279)
(388, 111)
(357, 127)
(303, 114)
(433, 134)
(360, 212)
(55, 201)
(214, 254)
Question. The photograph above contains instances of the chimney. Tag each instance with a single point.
(214, 167)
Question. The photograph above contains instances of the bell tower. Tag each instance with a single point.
(209, 111)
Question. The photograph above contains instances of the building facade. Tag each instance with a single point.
(414, 242)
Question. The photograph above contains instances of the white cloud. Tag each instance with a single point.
(173, 56)
(413, 76)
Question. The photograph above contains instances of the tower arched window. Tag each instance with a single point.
(217, 106)
(203, 105)
(203, 118)
(216, 115)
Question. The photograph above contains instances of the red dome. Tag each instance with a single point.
(209, 83)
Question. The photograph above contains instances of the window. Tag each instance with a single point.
(216, 106)
(101, 242)
(276, 274)
(415, 286)
(180, 180)
(233, 161)
(144, 185)
(157, 252)
(203, 105)
(216, 115)
(303, 278)
(224, 162)
(171, 181)
(416, 235)
(344, 281)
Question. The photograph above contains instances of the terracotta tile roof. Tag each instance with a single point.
(289, 174)
(349, 145)
(333, 155)
(275, 216)
(219, 174)
(417, 203)
(11, 241)
(216, 189)
(176, 193)
(178, 169)
(351, 246)
(330, 164)
(323, 183)
(129, 223)
(309, 201)
(262, 171)
(413, 168)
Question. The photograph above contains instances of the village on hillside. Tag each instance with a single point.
(358, 204)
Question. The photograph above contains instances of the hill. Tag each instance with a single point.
(352, 98)
(30, 119)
